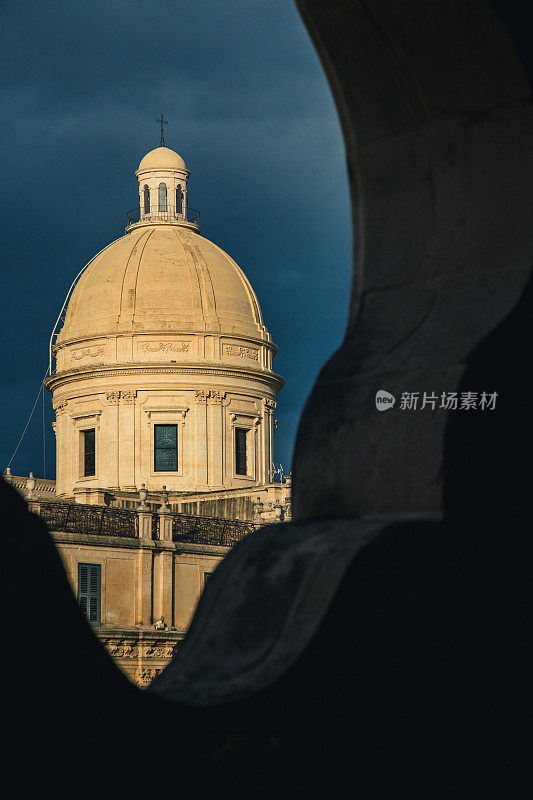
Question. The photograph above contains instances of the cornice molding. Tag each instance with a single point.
(69, 376)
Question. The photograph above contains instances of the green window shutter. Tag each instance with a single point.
(165, 448)
(89, 452)
(89, 591)
(240, 451)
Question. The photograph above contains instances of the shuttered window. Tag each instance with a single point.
(240, 451)
(165, 448)
(89, 452)
(89, 591)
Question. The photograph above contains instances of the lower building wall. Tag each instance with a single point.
(147, 594)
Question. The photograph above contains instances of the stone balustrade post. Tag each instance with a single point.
(34, 506)
(165, 526)
(30, 486)
(145, 525)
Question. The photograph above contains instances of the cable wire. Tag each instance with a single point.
(44, 438)
(41, 387)
(50, 356)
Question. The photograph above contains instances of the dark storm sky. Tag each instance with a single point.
(249, 110)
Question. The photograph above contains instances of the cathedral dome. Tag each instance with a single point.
(163, 367)
(162, 278)
(162, 158)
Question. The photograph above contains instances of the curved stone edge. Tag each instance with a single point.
(436, 113)
(261, 608)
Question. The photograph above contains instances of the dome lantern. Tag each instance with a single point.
(163, 176)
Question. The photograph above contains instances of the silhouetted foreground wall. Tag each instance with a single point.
(369, 646)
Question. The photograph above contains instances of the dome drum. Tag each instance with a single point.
(205, 351)
(204, 418)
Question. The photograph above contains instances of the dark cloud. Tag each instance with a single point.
(251, 113)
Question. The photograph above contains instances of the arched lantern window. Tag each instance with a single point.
(179, 200)
(146, 200)
(162, 197)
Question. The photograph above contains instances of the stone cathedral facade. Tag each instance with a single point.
(164, 393)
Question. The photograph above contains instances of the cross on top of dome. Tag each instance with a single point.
(163, 121)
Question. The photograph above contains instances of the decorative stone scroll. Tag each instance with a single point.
(216, 396)
(119, 649)
(128, 395)
(60, 407)
(144, 676)
(212, 396)
(154, 650)
(241, 352)
(165, 347)
(88, 352)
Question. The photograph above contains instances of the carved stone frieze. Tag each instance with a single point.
(121, 649)
(241, 352)
(160, 650)
(88, 352)
(165, 347)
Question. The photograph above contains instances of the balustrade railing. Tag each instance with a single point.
(96, 520)
(209, 530)
(168, 214)
(104, 521)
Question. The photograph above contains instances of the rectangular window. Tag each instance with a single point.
(207, 575)
(240, 451)
(165, 448)
(89, 590)
(89, 452)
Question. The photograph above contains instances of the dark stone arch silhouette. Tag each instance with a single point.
(369, 641)
(434, 105)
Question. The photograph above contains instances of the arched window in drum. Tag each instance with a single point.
(179, 200)
(146, 200)
(162, 197)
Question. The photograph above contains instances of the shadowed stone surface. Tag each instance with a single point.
(434, 106)
(272, 592)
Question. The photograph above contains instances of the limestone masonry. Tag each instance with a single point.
(164, 394)
(163, 328)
